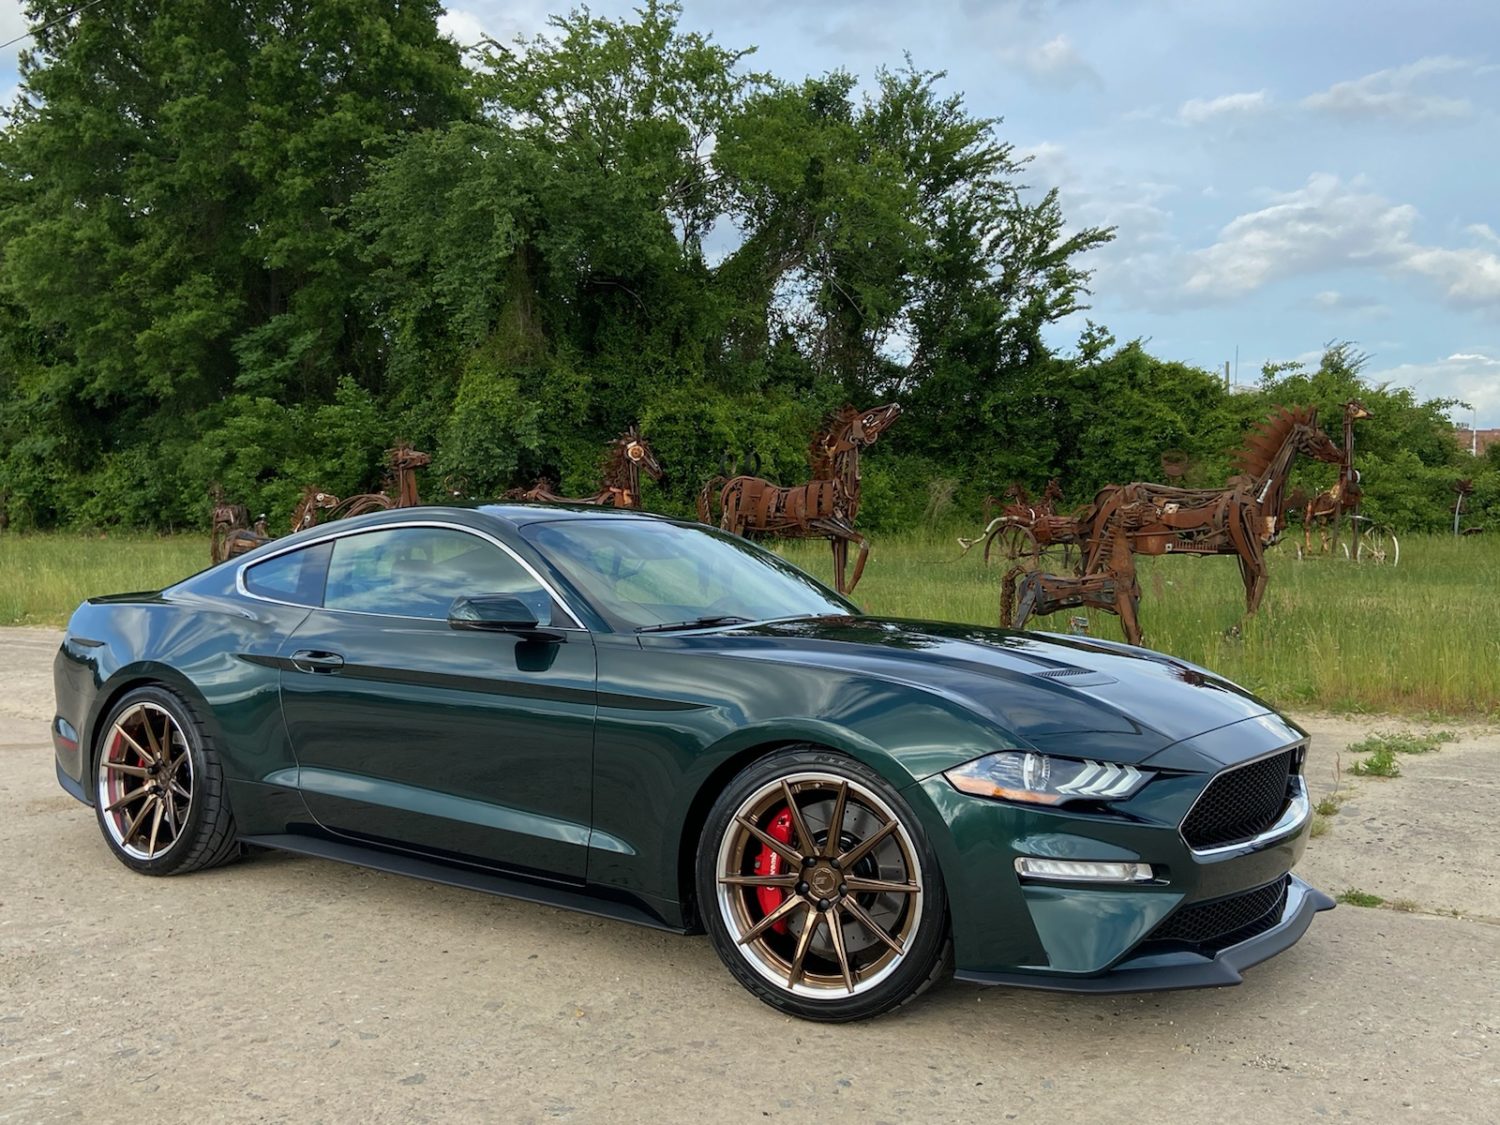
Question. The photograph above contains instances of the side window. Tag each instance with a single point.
(418, 571)
(296, 576)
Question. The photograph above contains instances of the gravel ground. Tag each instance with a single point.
(290, 989)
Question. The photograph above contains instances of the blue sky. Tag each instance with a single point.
(1281, 173)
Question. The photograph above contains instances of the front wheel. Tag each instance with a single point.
(818, 889)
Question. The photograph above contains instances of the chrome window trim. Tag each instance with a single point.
(1296, 814)
(343, 533)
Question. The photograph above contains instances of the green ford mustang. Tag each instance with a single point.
(656, 722)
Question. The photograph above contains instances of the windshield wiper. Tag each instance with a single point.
(696, 623)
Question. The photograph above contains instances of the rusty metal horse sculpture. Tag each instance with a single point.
(1142, 518)
(403, 462)
(1328, 506)
(625, 458)
(823, 508)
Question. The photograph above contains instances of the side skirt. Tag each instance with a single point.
(484, 881)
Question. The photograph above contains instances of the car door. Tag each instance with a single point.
(475, 745)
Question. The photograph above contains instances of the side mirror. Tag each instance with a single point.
(501, 613)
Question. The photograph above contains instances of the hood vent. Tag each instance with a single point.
(1079, 677)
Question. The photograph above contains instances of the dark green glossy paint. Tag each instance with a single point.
(592, 760)
(478, 744)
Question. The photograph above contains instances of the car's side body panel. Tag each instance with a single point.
(477, 745)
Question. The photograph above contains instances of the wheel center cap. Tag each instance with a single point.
(824, 881)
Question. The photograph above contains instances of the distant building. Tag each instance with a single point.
(1465, 438)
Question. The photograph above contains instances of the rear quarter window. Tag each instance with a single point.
(295, 577)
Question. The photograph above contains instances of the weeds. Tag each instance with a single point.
(1353, 897)
(1382, 763)
(1401, 742)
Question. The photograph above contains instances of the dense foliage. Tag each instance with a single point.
(258, 243)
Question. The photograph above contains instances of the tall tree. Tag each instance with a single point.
(176, 174)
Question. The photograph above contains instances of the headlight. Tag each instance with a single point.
(1039, 779)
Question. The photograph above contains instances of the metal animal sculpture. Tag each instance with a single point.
(403, 462)
(1016, 502)
(1155, 519)
(823, 508)
(625, 459)
(227, 519)
(1108, 582)
(314, 500)
(1326, 509)
(242, 539)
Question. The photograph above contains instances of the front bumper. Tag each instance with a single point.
(1163, 972)
(1208, 912)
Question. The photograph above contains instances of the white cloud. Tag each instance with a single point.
(1055, 63)
(501, 21)
(1329, 224)
(1196, 111)
(1392, 93)
(1484, 232)
(1471, 377)
(464, 28)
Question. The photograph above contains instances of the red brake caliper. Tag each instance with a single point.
(769, 862)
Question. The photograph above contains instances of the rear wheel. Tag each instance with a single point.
(159, 792)
(818, 889)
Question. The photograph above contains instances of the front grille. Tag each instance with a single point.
(1241, 803)
(1226, 921)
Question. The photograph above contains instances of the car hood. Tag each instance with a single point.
(1072, 694)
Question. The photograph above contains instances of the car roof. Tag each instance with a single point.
(518, 513)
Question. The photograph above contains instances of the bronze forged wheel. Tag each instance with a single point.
(159, 793)
(818, 889)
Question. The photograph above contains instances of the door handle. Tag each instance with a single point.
(315, 660)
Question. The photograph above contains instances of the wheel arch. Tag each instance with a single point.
(121, 683)
(728, 758)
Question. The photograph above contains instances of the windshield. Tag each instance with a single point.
(641, 573)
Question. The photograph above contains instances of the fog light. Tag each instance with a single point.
(1083, 871)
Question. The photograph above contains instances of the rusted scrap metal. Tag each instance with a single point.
(313, 501)
(1016, 502)
(241, 539)
(1327, 509)
(1143, 518)
(1107, 581)
(227, 519)
(232, 534)
(625, 459)
(823, 508)
(1174, 464)
(401, 477)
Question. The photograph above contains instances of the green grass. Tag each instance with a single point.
(1353, 897)
(44, 577)
(1422, 639)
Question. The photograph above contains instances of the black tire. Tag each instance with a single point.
(201, 825)
(842, 983)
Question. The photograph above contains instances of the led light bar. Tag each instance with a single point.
(1083, 871)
